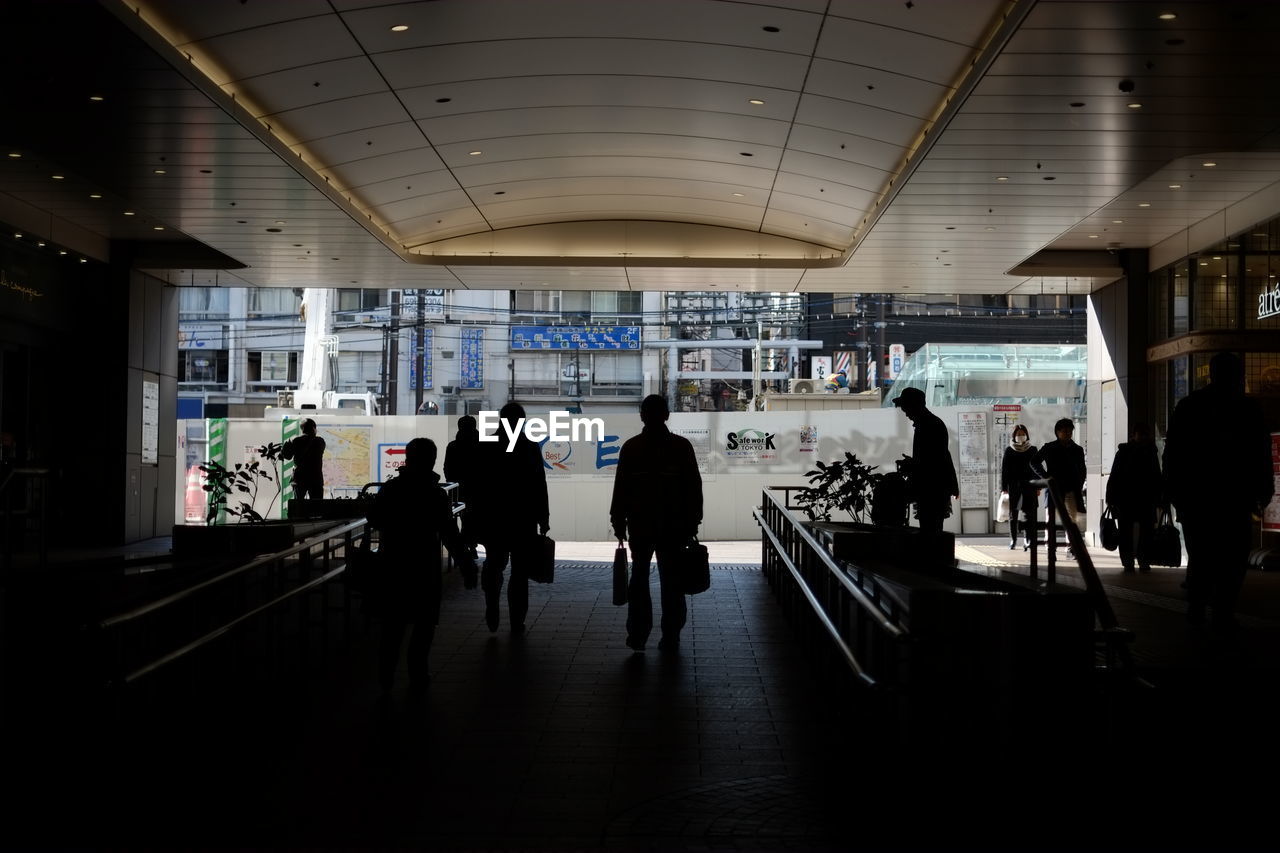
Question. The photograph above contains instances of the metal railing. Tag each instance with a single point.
(839, 608)
(34, 508)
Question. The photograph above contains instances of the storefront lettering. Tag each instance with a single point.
(30, 294)
(1269, 302)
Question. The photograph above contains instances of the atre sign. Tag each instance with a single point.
(1269, 302)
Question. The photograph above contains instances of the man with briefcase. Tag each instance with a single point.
(657, 503)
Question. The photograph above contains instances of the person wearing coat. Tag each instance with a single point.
(1063, 460)
(413, 516)
(1218, 474)
(932, 473)
(657, 502)
(1015, 481)
(462, 466)
(1133, 494)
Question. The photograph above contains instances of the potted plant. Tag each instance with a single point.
(234, 493)
(877, 504)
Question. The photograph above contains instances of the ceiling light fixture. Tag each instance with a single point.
(157, 227)
(771, 29)
(1003, 178)
(737, 195)
(95, 195)
(1093, 236)
(1209, 164)
(1217, 257)
(1175, 186)
(399, 28)
(1204, 263)
(96, 98)
(500, 192)
(128, 213)
(57, 177)
(1167, 16)
(1076, 104)
(1134, 106)
(746, 154)
(1144, 204)
(157, 171)
(62, 251)
(475, 153)
(15, 155)
(1117, 222)
(756, 101)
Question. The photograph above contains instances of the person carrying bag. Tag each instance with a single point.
(657, 504)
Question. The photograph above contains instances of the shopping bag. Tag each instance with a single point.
(695, 568)
(1109, 534)
(1002, 507)
(1165, 548)
(536, 558)
(620, 579)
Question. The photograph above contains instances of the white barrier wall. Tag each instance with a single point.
(740, 454)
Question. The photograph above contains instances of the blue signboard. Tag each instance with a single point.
(427, 336)
(472, 359)
(575, 337)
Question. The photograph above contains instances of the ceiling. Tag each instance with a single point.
(919, 146)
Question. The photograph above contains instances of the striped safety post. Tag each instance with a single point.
(216, 429)
(290, 428)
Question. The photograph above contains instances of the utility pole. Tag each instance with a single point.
(420, 331)
(393, 356)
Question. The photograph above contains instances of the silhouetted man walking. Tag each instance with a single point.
(1217, 468)
(307, 453)
(462, 466)
(512, 509)
(933, 474)
(414, 516)
(657, 499)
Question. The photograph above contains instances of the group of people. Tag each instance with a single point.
(657, 505)
(1024, 465)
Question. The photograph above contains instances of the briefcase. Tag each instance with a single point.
(536, 559)
(695, 568)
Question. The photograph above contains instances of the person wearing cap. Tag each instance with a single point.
(933, 480)
(307, 453)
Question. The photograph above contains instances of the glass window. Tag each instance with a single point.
(1180, 306)
(203, 303)
(616, 373)
(536, 373)
(359, 371)
(353, 299)
(273, 302)
(1215, 273)
(538, 301)
(202, 367)
(277, 367)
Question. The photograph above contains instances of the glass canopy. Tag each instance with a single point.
(987, 374)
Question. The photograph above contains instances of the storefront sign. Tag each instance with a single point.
(1269, 302)
(1271, 515)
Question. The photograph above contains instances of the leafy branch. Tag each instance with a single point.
(243, 483)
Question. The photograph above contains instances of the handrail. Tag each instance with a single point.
(266, 559)
(847, 653)
(195, 644)
(855, 590)
(27, 472)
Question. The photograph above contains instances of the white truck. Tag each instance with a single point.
(319, 345)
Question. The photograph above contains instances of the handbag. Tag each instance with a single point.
(1002, 508)
(695, 568)
(1109, 534)
(620, 576)
(1165, 548)
(536, 559)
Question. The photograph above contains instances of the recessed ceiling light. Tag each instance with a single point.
(17, 234)
(1217, 257)
(157, 227)
(1003, 178)
(206, 171)
(771, 29)
(40, 244)
(737, 195)
(1167, 16)
(443, 100)
(1134, 106)
(756, 101)
(1175, 186)
(280, 222)
(1204, 263)
(746, 154)
(500, 192)
(274, 230)
(95, 195)
(1049, 178)
(83, 261)
(989, 228)
(1209, 164)
(15, 155)
(128, 213)
(475, 153)
(1144, 204)
(62, 251)
(157, 171)
(1076, 104)
(399, 28)
(951, 228)
(57, 177)
(1260, 234)
(1117, 222)
(96, 98)
(1093, 236)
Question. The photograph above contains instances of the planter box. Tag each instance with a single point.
(328, 508)
(218, 541)
(908, 547)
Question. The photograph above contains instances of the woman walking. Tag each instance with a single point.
(1015, 481)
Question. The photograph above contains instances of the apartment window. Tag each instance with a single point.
(614, 302)
(273, 367)
(575, 306)
(537, 373)
(203, 303)
(354, 300)
(202, 367)
(536, 305)
(616, 373)
(359, 371)
(273, 302)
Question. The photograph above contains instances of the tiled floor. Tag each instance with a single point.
(563, 739)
